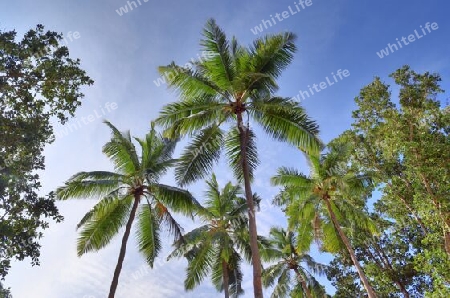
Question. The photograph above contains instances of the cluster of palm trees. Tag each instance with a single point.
(219, 99)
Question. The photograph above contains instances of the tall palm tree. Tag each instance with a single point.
(283, 250)
(216, 246)
(230, 86)
(120, 194)
(323, 204)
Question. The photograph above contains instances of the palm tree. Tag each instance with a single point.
(216, 246)
(323, 203)
(120, 194)
(230, 86)
(283, 249)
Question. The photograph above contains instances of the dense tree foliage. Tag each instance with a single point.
(327, 204)
(405, 149)
(38, 82)
(4, 293)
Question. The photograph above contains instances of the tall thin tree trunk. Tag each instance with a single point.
(303, 282)
(123, 248)
(256, 259)
(350, 250)
(226, 279)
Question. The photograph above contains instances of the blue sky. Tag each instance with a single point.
(122, 53)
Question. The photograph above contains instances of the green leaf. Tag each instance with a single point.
(176, 199)
(148, 234)
(87, 185)
(233, 152)
(121, 151)
(286, 121)
(199, 156)
(108, 216)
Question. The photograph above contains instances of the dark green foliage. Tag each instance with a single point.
(38, 82)
(405, 149)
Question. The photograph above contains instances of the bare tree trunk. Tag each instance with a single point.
(350, 250)
(226, 279)
(123, 248)
(256, 259)
(303, 282)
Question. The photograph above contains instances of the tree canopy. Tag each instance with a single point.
(39, 83)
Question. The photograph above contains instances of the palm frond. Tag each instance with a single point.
(87, 185)
(282, 288)
(164, 216)
(331, 241)
(148, 233)
(156, 154)
(188, 116)
(233, 152)
(191, 240)
(286, 121)
(290, 177)
(107, 217)
(271, 273)
(199, 266)
(175, 199)
(269, 55)
(316, 268)
(199, 156)
(188, 82)
(219, 66)
(121, 151)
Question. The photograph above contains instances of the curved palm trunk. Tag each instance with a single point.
(350, 250)
(226, 279)
(256, 259)
(123, 248)
(303, 282)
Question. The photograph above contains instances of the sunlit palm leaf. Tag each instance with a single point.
(176, 199)
(189, 83)
(220, 64)
(88, 185)
(148, 234)
(286, 121)
(199, 266)
(107, 218)
(121, 151)
(199, 156)
(233, 152)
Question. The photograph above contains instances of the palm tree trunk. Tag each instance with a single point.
(303, 282)
(226, 279)
(256, 259)
(123, 248)
(350, 250)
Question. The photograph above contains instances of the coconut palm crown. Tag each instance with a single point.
(218, 247)
(283, 251)
(234, 87)
(327, 204)
(132, 190)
